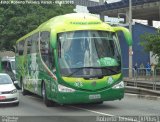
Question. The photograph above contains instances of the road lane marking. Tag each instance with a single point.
(110, 115)
(93, 111)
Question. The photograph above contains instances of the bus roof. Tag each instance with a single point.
(71, 22)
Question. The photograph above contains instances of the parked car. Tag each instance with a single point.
(8, 92)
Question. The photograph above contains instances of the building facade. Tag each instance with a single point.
(139, 55)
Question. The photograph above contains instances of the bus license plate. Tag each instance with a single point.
(2, 97)
(94, 96)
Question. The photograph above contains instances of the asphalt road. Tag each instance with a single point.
(32, 109)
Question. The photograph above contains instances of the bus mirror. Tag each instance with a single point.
(126, 33)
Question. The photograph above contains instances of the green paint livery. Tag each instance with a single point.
(92, 84)
(73, 58)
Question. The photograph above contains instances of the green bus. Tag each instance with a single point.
(72, 58)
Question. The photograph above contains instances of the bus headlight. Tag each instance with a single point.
(119, 85)
(62, 88)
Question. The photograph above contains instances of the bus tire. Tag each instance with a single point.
(47, 102)
(24, 92)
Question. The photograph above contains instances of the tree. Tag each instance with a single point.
(151, 42)
(16, 20)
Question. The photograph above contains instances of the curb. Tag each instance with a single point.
(147, 97)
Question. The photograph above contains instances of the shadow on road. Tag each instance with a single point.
(7, 105)
(70, 107)
(95, 106)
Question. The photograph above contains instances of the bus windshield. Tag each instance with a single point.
(88, 53)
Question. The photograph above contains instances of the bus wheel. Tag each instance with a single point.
(47, 102)
(24, 92)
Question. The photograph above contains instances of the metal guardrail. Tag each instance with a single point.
(143, 74)
(142, 84)
(141, 91)
(143, 78)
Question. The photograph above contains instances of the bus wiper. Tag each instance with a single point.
(99, 76)
(93, 77)
(80, 68)
(112, 70)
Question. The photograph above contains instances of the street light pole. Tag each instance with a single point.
(130, 29)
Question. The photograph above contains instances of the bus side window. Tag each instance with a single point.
(6, 66)
(29, 44)
(16, 51)
(34, 48)
(25, 47)
(44, 48)
(21, 48)
(52, 58)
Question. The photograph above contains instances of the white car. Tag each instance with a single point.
(8, 92)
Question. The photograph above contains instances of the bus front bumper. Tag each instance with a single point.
(90, 97)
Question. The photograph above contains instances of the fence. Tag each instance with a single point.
(143, 74)
(143, 77)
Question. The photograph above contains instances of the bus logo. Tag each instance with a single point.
(78, 84)
(110, 80)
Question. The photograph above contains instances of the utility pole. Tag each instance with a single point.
(130, 48)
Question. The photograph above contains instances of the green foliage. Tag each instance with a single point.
(19, 19)
(151, 42)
